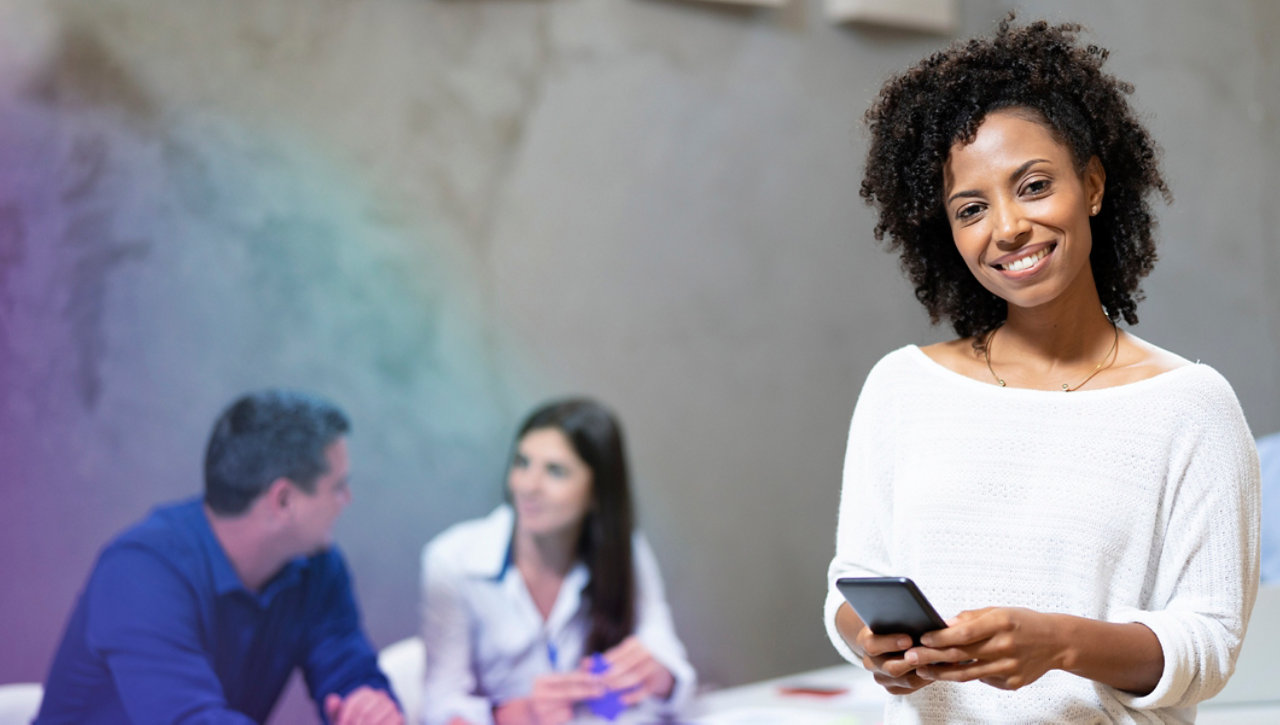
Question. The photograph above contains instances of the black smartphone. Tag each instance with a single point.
(890, 605)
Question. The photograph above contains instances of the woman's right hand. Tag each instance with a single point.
(552, 699)
(882, 656)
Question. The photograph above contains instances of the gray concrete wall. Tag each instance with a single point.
(439, 213)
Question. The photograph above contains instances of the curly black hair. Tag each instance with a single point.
(921, 113)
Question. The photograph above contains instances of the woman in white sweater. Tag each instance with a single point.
(1081, 505)
(553, 605)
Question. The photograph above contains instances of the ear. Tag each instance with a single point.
(1095, 182)
(278, 496)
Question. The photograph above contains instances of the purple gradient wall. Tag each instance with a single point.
(156, 259)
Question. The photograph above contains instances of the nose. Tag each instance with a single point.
(1009, 225)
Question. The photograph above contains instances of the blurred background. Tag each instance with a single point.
(439, 213)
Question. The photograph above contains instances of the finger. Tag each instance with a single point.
(970, 614)
(632, 665)
(634, 697)
(632, 674)
(893, 666)
(627, 654)
(356, 707)
(570, 686)
(967, 631)
(955, 625)
(553, 715)
(332, 706)
(882, 644)
(388, 717)
(393, 716)
(381, 712)
(921, 656)
(900, 685)
(381, 709)
(965, 673)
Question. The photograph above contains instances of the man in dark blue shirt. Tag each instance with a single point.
(199, 613)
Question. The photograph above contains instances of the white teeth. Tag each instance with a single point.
(1018, 265)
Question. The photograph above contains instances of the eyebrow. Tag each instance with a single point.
(1012, 177)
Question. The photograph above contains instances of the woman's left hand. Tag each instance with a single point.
(1005, 647)
(635, 673)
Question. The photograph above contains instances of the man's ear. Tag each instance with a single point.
(279, 495)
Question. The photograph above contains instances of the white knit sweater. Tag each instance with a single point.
(1136, 503)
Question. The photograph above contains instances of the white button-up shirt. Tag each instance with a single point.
(485, 639)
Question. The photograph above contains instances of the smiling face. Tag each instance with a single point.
(550, 485)
(1019, 211)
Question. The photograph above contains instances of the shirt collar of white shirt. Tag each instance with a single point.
(491, 551)
(490, 558)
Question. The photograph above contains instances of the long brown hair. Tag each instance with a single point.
(605, 543)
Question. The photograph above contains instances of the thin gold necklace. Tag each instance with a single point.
(1066, 387)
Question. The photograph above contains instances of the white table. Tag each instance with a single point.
(765, 703)
(777, 701)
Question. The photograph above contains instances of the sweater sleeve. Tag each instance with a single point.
(866, 502)
(1204, 587)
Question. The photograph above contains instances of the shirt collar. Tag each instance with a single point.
(490, 556)
(225, 579)
(289, 575)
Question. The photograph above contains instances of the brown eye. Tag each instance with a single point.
(1034, 188)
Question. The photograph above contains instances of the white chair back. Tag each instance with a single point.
(404, 663)
(20, 702)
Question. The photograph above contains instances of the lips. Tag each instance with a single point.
(1026, 261)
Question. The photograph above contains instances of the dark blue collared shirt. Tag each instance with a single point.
(165, 632)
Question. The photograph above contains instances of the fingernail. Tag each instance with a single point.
(912, 657)
(904, 642)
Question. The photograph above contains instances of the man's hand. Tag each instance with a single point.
(362, 706)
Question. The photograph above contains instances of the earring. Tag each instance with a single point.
(1094, 210)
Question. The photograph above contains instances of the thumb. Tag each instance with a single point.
(332, 706)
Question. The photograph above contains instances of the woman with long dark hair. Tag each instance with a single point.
(553, 603)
